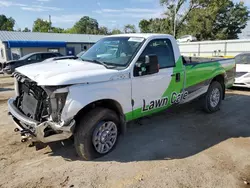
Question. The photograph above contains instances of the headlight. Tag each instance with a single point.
(61, 100)
(58, 100)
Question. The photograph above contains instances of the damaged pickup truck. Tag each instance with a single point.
(119, 79)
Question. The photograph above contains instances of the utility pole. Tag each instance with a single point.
(175, 13)
(50, 23)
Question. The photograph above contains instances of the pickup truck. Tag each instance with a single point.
(119, 79)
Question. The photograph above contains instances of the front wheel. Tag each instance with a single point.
(213, 97)
(96, 133)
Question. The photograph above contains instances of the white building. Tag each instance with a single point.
(215, 48)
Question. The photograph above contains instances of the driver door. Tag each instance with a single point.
(152, 93)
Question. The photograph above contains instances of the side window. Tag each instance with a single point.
(32, 58)
(47, 56)
(163, 49)
(36, 57)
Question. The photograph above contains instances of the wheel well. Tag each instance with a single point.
(105, 103)
(221, 80)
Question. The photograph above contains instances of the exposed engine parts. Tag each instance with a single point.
(37, 111)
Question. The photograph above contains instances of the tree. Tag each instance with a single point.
(158, 25)
(116, 31)
(230, 20)
(144, 25)
(6, 24)
(45, 26)
(57, 30)
(103, 30)
(69, 30)
(129, 28)
(176, 12)
(26, 29)
(220, 20)
(206, 19)
(86, 25)
(41, 26)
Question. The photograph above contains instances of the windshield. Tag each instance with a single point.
(243, 59)
(115, 51)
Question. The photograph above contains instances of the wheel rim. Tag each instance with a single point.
(104, 137)
(215, 97)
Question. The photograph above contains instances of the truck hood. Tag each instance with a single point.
(66, 72)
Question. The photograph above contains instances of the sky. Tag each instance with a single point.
(64, 13)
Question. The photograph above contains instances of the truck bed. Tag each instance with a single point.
(200, 69)
(190, 60)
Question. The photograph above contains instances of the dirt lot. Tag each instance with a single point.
(181, 147)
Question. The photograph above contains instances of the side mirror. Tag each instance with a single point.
(146, 65)
(29, 59)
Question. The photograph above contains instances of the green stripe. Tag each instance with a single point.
(194, 74)
(137, 113)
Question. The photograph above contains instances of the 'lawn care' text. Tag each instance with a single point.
(163, 102)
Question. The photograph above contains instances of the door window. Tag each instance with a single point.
(163, 49)
(36, 57)
(47, 56)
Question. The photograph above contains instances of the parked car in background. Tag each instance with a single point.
(80, 54)
(60, 58)
(242, 70)
(187, 38)
(9, 66)
(85, 48)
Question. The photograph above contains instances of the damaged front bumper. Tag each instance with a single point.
(34, 130)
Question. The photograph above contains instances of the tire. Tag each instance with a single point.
(94, 128)
(211, 101)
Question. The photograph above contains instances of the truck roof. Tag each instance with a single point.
(144, 35)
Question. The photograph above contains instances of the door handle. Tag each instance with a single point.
(177, 76)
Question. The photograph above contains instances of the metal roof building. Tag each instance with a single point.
(16, 44)
(34, 36)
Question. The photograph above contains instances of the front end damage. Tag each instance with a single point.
(36, 111)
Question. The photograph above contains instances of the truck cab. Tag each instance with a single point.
(119, 79)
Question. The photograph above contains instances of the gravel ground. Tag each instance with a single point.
(182, 147)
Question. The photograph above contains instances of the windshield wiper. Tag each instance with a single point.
(103, 63)
(100, 63)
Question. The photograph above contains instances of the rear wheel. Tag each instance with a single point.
(213, 97)
(96, 133)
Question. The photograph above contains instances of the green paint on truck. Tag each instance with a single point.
(194, 74)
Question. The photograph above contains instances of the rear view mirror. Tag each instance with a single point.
(146, 65)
